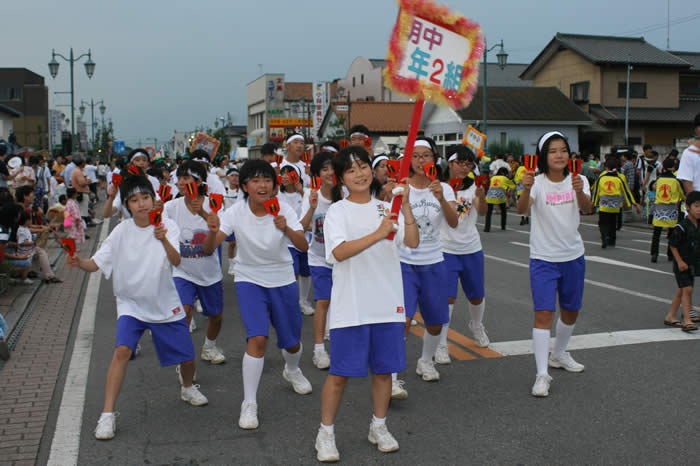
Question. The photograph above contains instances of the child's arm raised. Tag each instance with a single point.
(411, 237)
(88, 265)
(295, 236)
(160, 233)
(524, 201)
(313, 203)
(584, 200)
(215, 236)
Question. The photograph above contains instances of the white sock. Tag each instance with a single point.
(446, 328)
(318, 347)
(329, 429)
(562, 338)
(477, 313)
(378, 421)
(394, 376)
(252, 371)
(209, 343)
(540, 341)
(230, 261)
(106, 415)
(304, 285)
(430, 344)
(292, 359)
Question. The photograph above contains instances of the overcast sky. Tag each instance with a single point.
(164, 65)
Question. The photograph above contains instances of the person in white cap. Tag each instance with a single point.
(555, 198)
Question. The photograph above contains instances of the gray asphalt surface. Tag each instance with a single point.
(633, 404)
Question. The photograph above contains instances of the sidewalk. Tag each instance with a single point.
(28, 379)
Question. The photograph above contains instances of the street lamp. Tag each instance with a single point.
(92, 117)
(89, 69)
(502, 57)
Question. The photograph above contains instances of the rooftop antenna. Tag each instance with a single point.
(668, 24)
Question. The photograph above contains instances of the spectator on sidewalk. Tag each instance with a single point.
(73, 222)
(90, 172)
(81, 183)
(689, 170)
(21, 254)
(5, 175)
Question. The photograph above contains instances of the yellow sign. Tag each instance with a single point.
(285, 122)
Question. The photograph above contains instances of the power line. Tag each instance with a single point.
(655, 27)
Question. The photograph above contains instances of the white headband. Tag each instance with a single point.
(544, 138)
(139, 154)
(329, 149)
(377, 160)
(293, 137)
(358, 134)
(452, 158)
(136, 190)
(423, 143)
(193, 175)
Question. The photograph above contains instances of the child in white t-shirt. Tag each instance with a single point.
(199, 275)
(557, 265)
(314, 208)
(461, 247)
(140, 258)
(264, 275)
(292, 194)
(233, 195)
(367, 309)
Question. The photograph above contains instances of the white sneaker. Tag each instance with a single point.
(249, 416)
(326, 451)
(479, 333)
(193, 396)
(321, 359)
(193, 325)
(398, 391)
(27, 281)
(198, 306)
(306, 308)
(106, 426)
(541, 387)
(442, 355)
(179, 375)
(230, 267)
(300, 383)
(414, 322)
(565, 361)
(213, 354)
(380, 436)
(426, 369)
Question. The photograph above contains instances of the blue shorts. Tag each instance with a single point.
(426, 285)
(262, 306)
(172, 339)
(379, 347)
(547, 279)
(20, 263)
(469, 268)
(231, 237)
(211, 297)
(322, 279)
(301, 263)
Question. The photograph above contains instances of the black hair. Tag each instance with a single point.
(503, 171)
(612, 163)
(253, 168)
(673, 153)
(542, 154)
(359, 129)
(62, 198)
(342, 163)
(22, 192)
(199, 154)
(693, 197)
(464, 153)
(23, 217)
(9, 212)
(268, 148)
(194, 167)
(71, 192)
(332, 144)
(33, 160)
(646, 147)
(318, 162)
(287, 169)
(696, 121)
(669, 164)
(433, 149)
(132, 183)
(3, 150)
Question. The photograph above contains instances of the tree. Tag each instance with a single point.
(103, 139)
(224, 140)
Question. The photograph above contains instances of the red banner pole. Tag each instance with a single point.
(407, 155)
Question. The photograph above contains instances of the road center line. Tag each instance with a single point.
(65, 445)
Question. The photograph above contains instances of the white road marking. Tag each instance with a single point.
(648, 242)
(65, 445)
(601, 340)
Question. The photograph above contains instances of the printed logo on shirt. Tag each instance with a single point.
(193, 248)
(176, 310)
(318, 228)
(399, 309)
(464, 207)
(382, 211)
(556, 199)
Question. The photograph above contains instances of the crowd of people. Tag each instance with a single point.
(302, 232)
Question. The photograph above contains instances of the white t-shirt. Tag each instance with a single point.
(143, 276)
(262, 256)
(91, 173)
(214, 185)
(464, 239)
(428, 213)
(293, 200)
(301, 165)
(689, 168)
(317, 246)
(497, 165)
(195, 266)
(554, 235)
(367, 287)
(232, 196)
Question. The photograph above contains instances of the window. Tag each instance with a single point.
(637, 90)
(690, 85)
(10, 93)
(579, 91)
(362, 79)
(353, 81)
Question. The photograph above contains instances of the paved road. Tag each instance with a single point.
(633, 404)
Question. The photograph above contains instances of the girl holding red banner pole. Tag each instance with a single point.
(198, 275)
(265, 286)
(423, 269)
(461, 248)
(140, 257)
(557, 265)
(314, 208)
(367, 310)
